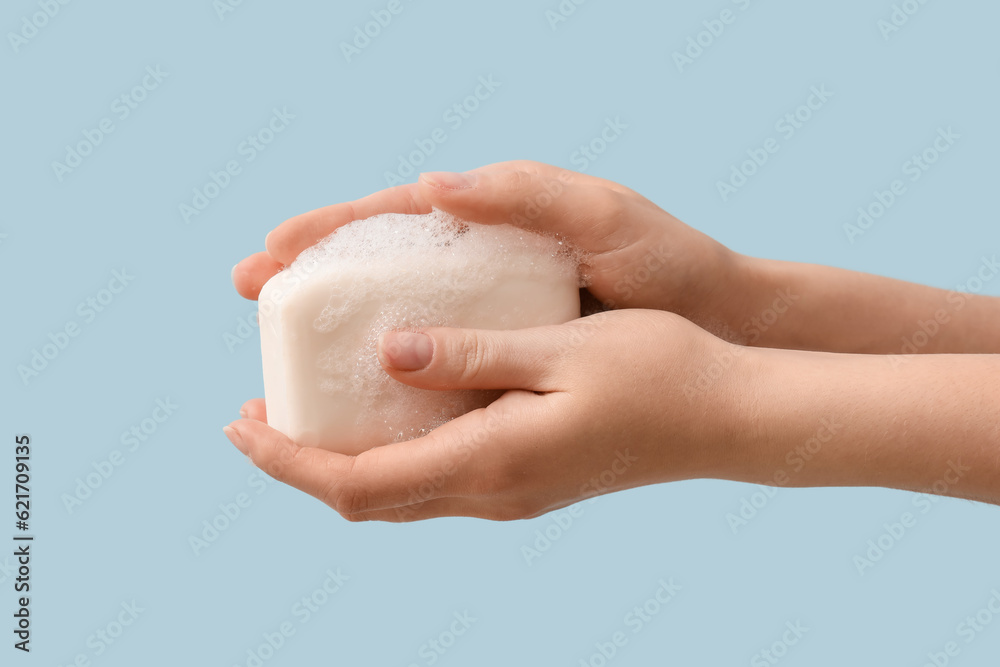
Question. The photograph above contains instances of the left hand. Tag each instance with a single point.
(638, 255)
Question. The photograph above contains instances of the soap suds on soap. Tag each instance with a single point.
(412, 271)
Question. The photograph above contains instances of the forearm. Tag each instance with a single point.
(810, 307)
(922, 423)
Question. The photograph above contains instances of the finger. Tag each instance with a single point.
(308, 469)
(592, 217)
(380, 478)
(251, 274)
(435, 509)
(291, 237)
(254, 409)
(443, 358)
(487, 507)
(431, 509)
(551, 171)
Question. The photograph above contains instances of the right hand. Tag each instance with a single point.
(603, 403)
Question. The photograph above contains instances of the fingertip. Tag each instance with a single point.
(255, 409)
(268, 244)
(233, 434)
(251, 273)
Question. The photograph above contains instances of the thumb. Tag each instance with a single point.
(442, 358)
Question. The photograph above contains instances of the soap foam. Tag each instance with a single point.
(414, 271)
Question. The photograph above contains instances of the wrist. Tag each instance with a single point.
(716, 297)
(731, 406)
(747, 413)
(746, 285)
(787, 427)
(766, 306)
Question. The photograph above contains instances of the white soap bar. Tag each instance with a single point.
(320, 319)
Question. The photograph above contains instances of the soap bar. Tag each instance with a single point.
(321, 316)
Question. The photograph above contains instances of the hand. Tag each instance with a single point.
(599, 404)
(627, 398)
(640, 256)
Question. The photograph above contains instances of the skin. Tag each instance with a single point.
(711, 365)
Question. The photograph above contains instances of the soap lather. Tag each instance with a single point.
(320, 319)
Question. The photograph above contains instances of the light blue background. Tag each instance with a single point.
(163, 336)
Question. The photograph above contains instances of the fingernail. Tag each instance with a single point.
(232, 274)
(243, 413)
(405, 351)
(235, 438)
(448, 180)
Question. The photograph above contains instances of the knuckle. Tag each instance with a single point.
(472, 356)
(276, 458)
(507, 476)
(349, 498)
(515, 182)
(347, 493)
(526, 165)
(613, 207)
